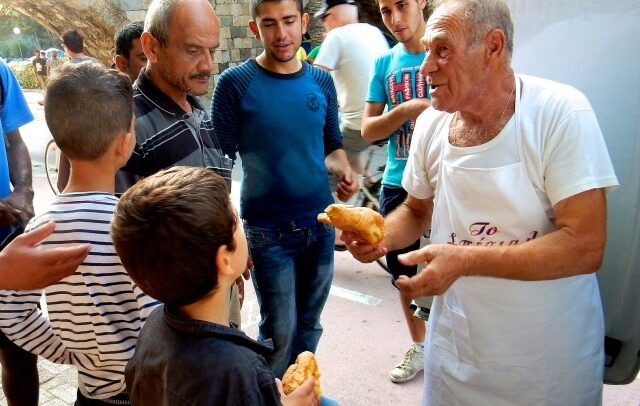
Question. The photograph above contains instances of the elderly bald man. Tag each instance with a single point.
(510, 173)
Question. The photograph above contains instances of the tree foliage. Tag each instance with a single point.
(32, 35)
(24, 73)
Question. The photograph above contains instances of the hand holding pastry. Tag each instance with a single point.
(362, 221)
(305, 367)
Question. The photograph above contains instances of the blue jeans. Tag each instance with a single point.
(292, 276)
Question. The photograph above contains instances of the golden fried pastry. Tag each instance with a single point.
(305, 367)
(365, 222)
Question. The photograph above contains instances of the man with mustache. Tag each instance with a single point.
(171, 126)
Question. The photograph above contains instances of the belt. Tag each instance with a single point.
(287, 225)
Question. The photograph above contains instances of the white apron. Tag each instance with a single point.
(504, 342)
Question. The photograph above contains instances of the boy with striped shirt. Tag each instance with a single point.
(95, 314)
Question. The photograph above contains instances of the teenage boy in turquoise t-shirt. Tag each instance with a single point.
(397, 84)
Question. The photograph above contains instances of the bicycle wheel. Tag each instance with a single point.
(51, 165)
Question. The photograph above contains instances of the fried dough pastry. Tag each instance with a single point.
(365, 222)
(305, 367)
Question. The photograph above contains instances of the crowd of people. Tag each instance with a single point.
(142, 257)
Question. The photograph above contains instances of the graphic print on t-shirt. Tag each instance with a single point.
(401, 88)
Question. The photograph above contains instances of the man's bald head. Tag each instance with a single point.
(481, 16)
(179, 39)
(161, 12)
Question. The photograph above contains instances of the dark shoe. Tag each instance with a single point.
(340, 247)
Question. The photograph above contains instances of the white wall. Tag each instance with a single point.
(595, 47)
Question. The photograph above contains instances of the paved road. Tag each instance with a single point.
(364, 330)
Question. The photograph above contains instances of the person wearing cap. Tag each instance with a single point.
(348, 52)
(397, 85)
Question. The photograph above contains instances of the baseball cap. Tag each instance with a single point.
(331, 3)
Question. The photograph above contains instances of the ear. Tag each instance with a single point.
(422, 4)
(123, 144)
(121, 64)
(253, 26)
(495, 43)
(305, 22)
(223, 263)
(150, 46)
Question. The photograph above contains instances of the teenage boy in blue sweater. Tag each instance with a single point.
(282, 117)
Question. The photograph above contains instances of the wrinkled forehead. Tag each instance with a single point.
(194, 17)
(445, 22)
(200, 29)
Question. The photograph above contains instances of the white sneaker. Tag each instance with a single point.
(410, 365)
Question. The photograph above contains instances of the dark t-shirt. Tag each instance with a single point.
(40, 65)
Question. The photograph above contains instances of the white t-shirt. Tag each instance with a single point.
(349, 52)
(563, 148)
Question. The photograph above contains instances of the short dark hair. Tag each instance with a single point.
(86, 106)
(123, 39)
(255, 4)
(73, 40)
(36, 50)
(167, 230)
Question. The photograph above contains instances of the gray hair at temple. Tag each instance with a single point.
(481, 16)
(158, 19)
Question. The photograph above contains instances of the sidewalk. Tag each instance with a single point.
(364, 332)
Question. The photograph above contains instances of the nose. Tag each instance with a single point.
(428, 65)
(395, 16)
(280, 32)
(206, 62)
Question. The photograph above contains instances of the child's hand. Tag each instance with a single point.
(304, 395)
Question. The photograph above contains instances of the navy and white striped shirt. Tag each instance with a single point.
(95, 314)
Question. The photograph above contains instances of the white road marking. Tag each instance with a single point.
(251, 310)
(354, 296)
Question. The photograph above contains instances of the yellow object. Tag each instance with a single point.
(367, 223)
(304, 368)
(301, 54)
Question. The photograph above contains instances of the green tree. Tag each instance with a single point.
(32, 35)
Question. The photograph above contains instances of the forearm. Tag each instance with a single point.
(375, 128)
(19, 163)
(407, 223)
(21, 315)
(337, 163)
(575, 247)
(556, 255)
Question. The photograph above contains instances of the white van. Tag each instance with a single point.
(594, 45)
